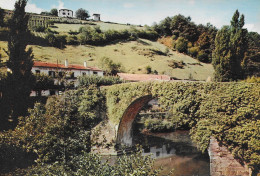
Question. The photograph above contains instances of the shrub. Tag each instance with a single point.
(86, 81)
(61, 129)
(38, 28)
(158, 125)
(203, 57)
(72, 40)
(193, 51)
(181, 45)
(92, 164)
(148, 69)
(176, 64)
(110, 67)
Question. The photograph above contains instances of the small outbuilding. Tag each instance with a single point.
(96, 17)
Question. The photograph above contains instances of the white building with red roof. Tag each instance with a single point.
(57, 71)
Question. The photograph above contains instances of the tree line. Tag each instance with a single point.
(233, 51)
(81, 13)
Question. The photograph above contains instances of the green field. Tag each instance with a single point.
(134, 56)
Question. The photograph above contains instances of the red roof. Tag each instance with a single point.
(62, 66)
(143, 77)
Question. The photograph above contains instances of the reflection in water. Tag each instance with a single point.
(174, 150)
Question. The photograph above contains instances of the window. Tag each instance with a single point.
(68, 13)
(84, 73)
(52, 74)
(61, 74)
(72, 75)
(52, 92)
(37, 71)
(157, 154)
(95, 73)
(63, 13)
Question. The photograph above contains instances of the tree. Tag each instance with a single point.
(20, 78)
(181, 45)
(110, 67)
(54, 12)
(230, 47)
(1, 17)
(82, 14)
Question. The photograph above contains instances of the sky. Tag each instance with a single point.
(217, 12)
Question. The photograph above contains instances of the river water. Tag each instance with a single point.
(174, 150)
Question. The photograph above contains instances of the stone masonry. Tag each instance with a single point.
(222, 162)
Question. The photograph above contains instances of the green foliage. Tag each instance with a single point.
(58, 41)
(231, 45)
(43, 82)
(158, 125)
(181, 45)
(148, 69)
(72, 40)
(202, 56)
(227, 111)
(92, 165)
(38, 28)
(54, 12)
(60, 130)
(82, 14)
(86, 81)
(253, 79)
(1, 18)
(193, 51)
(19, 80)
(176, 64)
(109, 66)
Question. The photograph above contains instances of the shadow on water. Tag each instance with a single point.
(174, 150)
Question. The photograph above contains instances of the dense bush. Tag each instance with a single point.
(158, 125)
(92, 165)
(61, 129)
(181, 45)
(58, 41)
(38, 28)
(203, 57)
(43, 82)
(86, 81)
(110, 67)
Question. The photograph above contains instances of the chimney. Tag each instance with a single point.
(66, 63)
(85, 64)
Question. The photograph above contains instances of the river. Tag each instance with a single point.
(174, 150)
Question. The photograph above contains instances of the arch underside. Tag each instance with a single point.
(124, 134)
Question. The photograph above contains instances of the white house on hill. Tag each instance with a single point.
(70, 72)
(65, 13)
(96, 17)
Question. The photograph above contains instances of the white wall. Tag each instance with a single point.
(77, 73)
(65, 13)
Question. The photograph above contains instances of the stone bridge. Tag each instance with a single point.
(192, 102)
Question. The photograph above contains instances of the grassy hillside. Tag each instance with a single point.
(134, 56)
(104, 26)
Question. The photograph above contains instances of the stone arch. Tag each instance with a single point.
(124, 133)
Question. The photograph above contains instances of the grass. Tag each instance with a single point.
(132, 55)
(65, 28)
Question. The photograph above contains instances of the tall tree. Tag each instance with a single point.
(54, 12)
(20, 78)
(230, 47)
(82, 14)
(1, 17)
